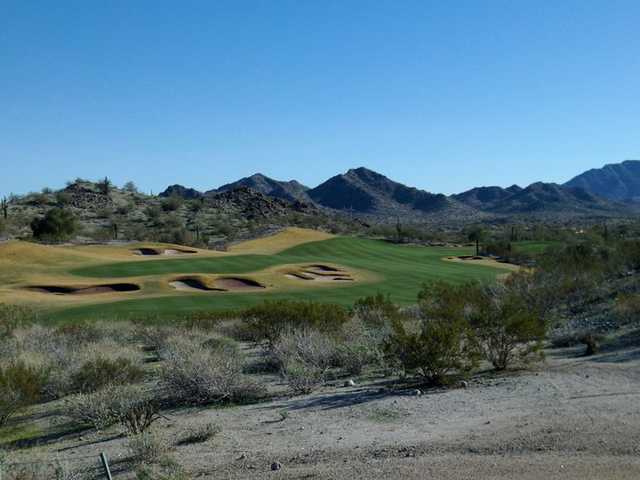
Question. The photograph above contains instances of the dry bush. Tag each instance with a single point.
(628, 307)
(131, 406)
(77, 366)
(361, 344)
(147, 448)
(40, 467)
(304, 356)
(200, 433)
(193, 372)
(20, 386)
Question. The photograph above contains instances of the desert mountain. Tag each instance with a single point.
(618, 181)
(362, 190)
(179, 190)
(538, 197)
(292, 191)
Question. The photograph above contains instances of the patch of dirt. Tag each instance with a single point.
(238, 283)
(83, 290)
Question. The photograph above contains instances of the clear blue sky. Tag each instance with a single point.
(440, 95)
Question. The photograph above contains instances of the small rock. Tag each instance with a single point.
(275, 466)
(416, 392)
(350, 383)
(464, 384)
(242, 457)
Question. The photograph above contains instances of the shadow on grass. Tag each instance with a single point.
(64, 432)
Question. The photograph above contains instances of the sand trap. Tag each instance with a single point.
(320, 273)
(298, 276)
(323, 268)
(193, 283)
(162, 251)
(236, 283)
(84, 290)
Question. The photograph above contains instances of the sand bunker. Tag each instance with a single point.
(321, 273)
(193, 283)
(84, 290)
(162, 251)
(236, 283)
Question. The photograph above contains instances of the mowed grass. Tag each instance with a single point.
(396, 270)
(533, 247)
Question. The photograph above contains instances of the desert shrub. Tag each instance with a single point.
(193, 373)
(42, 467)
(592, 342)
(361, 344)
(21, 385)
(165, 469)
(57, 224)
(628, 306)
(565, 340)
(63, 198)
(439, 349)
(376, 310)
(267, 321)
(99, 372)
(304, 356)
(443, 342)
(73, 364)
(147, 448)
(507, 329)
(200, 433)
(13, 317)
(172, 203)
(153, 213)
(130, 405)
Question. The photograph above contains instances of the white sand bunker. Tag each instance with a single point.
(162, 251)
(320, 273)
(193, 284)
(223, 284)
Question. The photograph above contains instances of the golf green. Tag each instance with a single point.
(400, 271)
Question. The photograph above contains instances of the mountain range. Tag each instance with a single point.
(609, 191)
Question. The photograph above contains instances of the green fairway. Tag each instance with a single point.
(400, 271)
(533, 247)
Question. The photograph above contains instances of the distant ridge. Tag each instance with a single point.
(366, 193)
(288, 190)
(617, 181)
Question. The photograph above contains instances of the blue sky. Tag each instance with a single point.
(439, 95)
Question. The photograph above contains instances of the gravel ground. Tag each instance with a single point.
(571, 417)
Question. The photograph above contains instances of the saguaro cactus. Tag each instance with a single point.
(4, 205)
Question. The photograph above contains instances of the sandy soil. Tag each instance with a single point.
(571, 418)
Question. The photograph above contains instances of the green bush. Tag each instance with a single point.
(443, 343)
(267, 321)
(57, 224)
(438, 350)
(506, 328)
